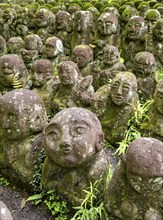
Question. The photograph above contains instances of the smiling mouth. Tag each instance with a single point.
(67, 150)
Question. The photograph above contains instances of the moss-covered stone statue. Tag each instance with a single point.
(83, 28)
(136, 189)
(3, 47)
(144, 66)
(110, 64)
(157, 35)
(32, 49)
(153, 123)
(120, 103)
(53, 50)
(43, 81)
(14, 45)
(133, 39)
(13, 73)
(23, 117)
(73, 141)
(64, 30)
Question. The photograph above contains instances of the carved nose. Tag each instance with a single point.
(119, 91)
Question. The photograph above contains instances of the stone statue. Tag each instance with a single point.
(3, 47)
(14, 45)
(43, 81)
(73, 141)
(136, 189)
(23, 117)
(133, 39)
(83, 28)
(13, 73)
(153, 123)
(120, 103)
(110, 64)
(144, 66)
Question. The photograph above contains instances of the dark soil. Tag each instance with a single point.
(13, 199)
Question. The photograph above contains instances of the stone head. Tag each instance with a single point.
(83, 20)
(11, 66)
(157, 30)
(135, 28)
(69, 73)
(14, 44)
(41, 72)
(123, 88)
(43, 17)
(151, 17)
(107, 24)
(63, 19)
(53, 47)
(111, 55)
(82, 55)
(22, 114)
(144, 159)
(33, 42)
(73, 137)
(144, 64)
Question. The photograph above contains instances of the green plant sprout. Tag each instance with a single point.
(3, 181)
(133, 124)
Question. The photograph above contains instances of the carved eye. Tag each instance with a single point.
(115, 85)
(126, 87)
(79, 131)
(53, 136)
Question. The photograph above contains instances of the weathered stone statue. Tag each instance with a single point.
(69, 76)
(157, 35)
(120, 103)
(110, 64)
(53, 50)
(43, 81)
(23, 117)
(14, 45)
(73, 141)
(32, 49)
(83, 28)
(136, 189)
(144, 66)
(153, 123)
(13, 73)
(3, 48)
(107, 29)
(64, 30)
(133, 39)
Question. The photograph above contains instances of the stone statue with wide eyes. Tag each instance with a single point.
(73, 141)
(136, 188)
(23, 117)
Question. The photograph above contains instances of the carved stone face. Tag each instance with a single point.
(33, 42)
(144, 64)
(82, 55)
(68, 73)
(22, 114)
(135, 28)
(123, 88)
(73, 137)
(111, 55)
(83, 20)
(158, 30)
(42, 18)
(144, 165)
(151, 17)
(62, 20)
(12, 65)
(107, 24)
(158, 97)
(53, 47)
(41, 72)
(14, 44)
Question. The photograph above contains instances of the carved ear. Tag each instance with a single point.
(99, 142)
(37, 121)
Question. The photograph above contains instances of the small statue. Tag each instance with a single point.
(144, 66)
(110, 64)
(73, 141)
(13, 73)
(14, 45)
(23, 117)
(136, 188)
(133, 39)
(43, 81)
